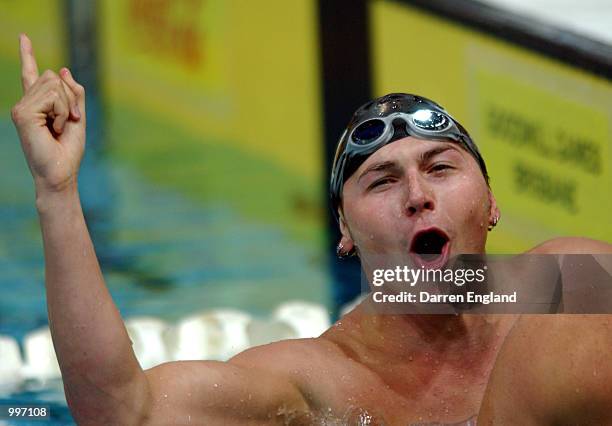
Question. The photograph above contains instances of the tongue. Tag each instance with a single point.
(429, 257)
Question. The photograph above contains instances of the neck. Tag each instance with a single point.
(452, 334)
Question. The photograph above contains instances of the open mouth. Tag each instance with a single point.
(430, 248)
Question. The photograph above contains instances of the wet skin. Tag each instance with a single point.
(402, 369)
(407, 368)
(436, 367)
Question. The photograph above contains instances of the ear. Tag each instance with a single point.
(494, 212)
(346, 240)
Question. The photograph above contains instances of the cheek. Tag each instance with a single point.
(467, 200)
(366, 222)
(369, 222)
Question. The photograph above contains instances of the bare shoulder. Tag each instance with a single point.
(286, 357)
(314, 366)
(264, 384)
(572, 245)
(309, 363)
(552, 369)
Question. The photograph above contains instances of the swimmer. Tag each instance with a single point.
(397, 184)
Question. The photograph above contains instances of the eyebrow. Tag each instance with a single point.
(429, 154)
(424, 157)
(379, 167)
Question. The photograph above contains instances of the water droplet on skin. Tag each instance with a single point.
(410, 358)
(216, 385)
(165, 395)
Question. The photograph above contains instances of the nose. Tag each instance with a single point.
(419, 197)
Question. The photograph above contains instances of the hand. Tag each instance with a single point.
(50, 121)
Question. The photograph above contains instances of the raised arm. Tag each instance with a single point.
(98, 365)
(103, 381)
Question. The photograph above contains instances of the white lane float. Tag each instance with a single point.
(308, 319)
(262, 332)
(147, 335)
(217, 334)
(11, 364)
(40, 360)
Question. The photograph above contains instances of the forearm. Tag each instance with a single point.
(98, 365)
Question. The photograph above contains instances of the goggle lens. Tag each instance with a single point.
(368, 132)
(429, 120)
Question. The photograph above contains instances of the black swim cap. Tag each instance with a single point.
(385, 120)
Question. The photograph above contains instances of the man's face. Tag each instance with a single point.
(417, 196)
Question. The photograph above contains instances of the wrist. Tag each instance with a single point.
(47, 199)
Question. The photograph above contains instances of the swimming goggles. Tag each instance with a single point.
(387, 119)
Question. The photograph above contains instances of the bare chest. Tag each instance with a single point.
(407, 381)
(399, 394)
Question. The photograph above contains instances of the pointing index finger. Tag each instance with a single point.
(29, 69)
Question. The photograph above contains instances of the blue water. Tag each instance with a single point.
(162, 255)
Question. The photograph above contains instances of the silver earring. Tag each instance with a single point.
(339, 252)
(344, 255)
(494, 223)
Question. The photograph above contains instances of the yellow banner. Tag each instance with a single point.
(549, 152)
(44, 23)
(221, 100)
(543, 127)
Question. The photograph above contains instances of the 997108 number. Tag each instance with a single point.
(24, 411)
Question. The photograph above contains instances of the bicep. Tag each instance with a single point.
(212, 392)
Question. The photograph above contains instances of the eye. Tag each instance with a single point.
(439, 167)
(381, 182)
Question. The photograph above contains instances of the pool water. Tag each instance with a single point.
(162, 254)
